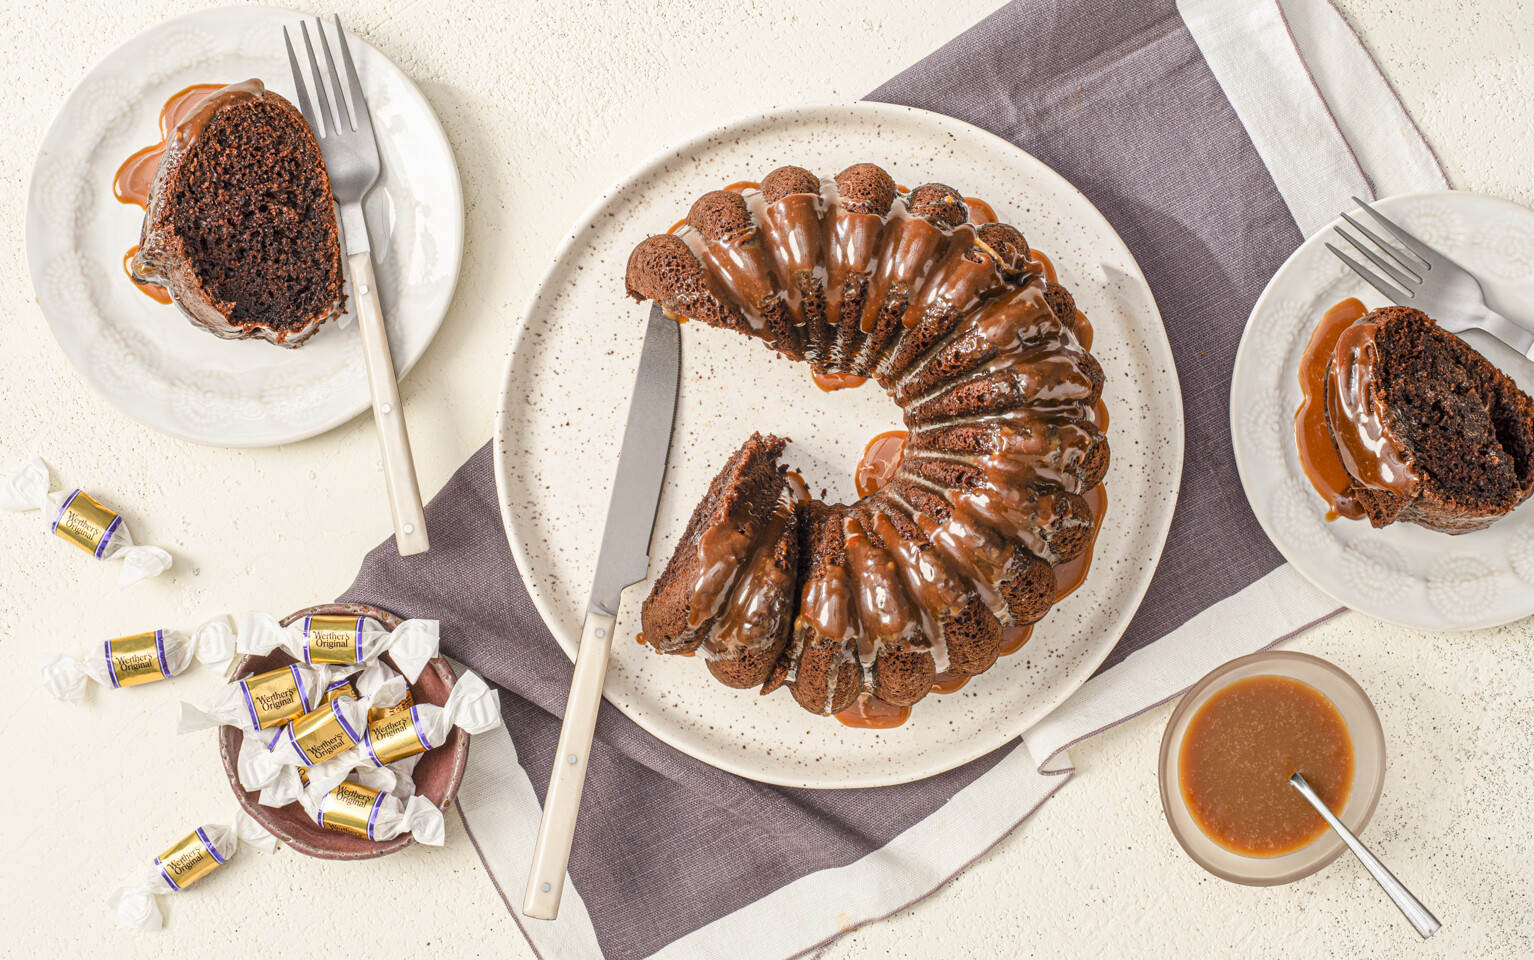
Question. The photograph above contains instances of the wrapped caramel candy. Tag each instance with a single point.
(342, 640)
(267, 699)
(280, 784)
(82, 520)
(140, 658)
(472, 705)
(188, 860)
(362, 811)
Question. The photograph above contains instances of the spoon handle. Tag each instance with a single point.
(1420, 916)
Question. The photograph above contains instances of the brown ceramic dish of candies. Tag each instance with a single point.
(436, 776)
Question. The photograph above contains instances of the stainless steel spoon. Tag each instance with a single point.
(1420, 917)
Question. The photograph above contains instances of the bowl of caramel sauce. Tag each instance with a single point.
(1233, 742)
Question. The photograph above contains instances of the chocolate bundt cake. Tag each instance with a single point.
(957, 322)
(1429, 431)
(240, 226)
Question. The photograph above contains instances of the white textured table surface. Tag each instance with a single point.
(546, 103)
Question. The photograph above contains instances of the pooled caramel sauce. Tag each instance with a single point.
(133, 179)
(868, 712)
(1046, 263)
(1071, 574)
(980, 212)
(1014, 637)
(947, 683)
(1312, 437)
(131, 184)
(741, 186)
(1100, 415)
(831, 382)
(152, 291)
(1370, 450)
(881, 458)
(678, 225)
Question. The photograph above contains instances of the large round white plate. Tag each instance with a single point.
(1403, 574)
(565, 399)
(146, 357)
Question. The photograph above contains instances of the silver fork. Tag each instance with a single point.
(351, 157)
(1429, 281)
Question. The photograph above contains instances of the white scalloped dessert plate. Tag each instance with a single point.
(1402, 574)
(565, 397)
(145, 357)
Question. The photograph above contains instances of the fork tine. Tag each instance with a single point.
(364, 118)
(298, 81)
(319, 84)
(1406, 279)
(1423, 252)
(1397, 297)
(1414, 266)
(335, 79)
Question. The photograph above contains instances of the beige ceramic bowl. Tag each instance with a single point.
(1368, 768)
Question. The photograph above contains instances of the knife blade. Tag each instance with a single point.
(625, 555)
(623, 560)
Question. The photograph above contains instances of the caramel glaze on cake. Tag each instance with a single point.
(1429, 431)
(959, 325)
(240, 226)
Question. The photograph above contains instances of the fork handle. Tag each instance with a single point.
(388, 413)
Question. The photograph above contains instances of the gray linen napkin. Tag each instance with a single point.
(1119, 99)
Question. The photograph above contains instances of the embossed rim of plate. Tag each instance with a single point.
(424, 315)
(1341, 556)
(986, 736)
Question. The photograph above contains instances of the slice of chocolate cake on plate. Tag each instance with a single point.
(241, 226)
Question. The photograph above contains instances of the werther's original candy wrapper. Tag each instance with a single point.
(132, 660)
(79, 518)
(280, 784)
(472, 705)
(185, 862)
(361, 811)
(267, 699)
(343, 640)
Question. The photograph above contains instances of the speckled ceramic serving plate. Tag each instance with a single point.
(1403, 574)
(144, 356)
(565, 396)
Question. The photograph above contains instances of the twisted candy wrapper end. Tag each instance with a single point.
(258, 633)
(27, 487)
(473, 705)
(64, 678)
(139, 563)
(424, 821)
(136, 906)
(214, 641)
(412, 645)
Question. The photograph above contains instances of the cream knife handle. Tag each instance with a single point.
(551, 855)
(388, 414)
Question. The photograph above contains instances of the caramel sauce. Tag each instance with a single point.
(868, 712)
(1239, 751)
(156, 293)
(1083, 330)
(678, 225)
(947, 683)
(980, 212)
(1014, 637)
(881, 458)
(1046, 264)
(131, 184)
(1312, 437)
(741, 186)
(1100, 415)
(1070, 575)
(831, 382)
(798, 490)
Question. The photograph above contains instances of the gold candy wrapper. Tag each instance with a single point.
(78, 518)
(342, 640)
(267, 700)
(362, 811)
(184, 863)
(473, 705)
(139, 658)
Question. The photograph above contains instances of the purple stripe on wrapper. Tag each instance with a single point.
(54, 527)
(373, 814)
(166, 874)
(357, 632)
(159, 649)
(298, 681)
(106, 651)
(106, 536)
(335, 708)
(415, 721)
(209, 844)
(306, 639)
(296, 748)
(373, 754)
(250, 705)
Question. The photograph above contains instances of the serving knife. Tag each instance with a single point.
(624, 560)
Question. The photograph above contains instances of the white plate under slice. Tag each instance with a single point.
(565, 396)
(146, 357)
(1403, 574)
